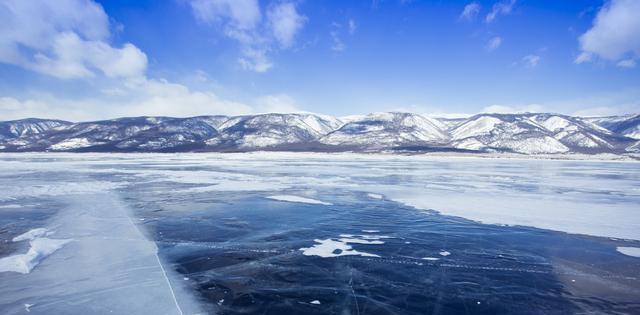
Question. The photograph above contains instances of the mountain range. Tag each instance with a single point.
(527, 133)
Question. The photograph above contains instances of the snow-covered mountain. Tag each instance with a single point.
(628, 126)
(534, 134)
(27, 127)
(529, 133)
(383, 130)
(271, 130)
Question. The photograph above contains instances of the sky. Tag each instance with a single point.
(99, 59)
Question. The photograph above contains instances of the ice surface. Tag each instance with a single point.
(290, 198)
(127, 275)
(629, 251)
(584, 197)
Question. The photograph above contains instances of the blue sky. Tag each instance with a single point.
(85, 59)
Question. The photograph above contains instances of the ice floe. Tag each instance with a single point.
(298, 199)
(30, 235)
(39, 250)
(375, 196)
(629, 251)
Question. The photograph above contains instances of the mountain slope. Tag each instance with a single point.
(628, 126)
(382, 130)
(269, 130)
(27, 127)
(535, 133)
(529, 133)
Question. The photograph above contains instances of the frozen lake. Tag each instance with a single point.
(275, 233)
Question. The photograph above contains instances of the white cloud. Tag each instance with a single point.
(604, 111)
(278, 103)
(242, 20)
(69, 39)
(238, 14)
(66, 39)
(255, 59)
(531, 61)
(336, 43)
(470, 11)
(352, 26)
(503, 109)
(627, 63)
(494, 43)
(140, 97)
(615, 34)
(501, 8)
(285, 22)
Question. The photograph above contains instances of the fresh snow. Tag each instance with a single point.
(298, 199)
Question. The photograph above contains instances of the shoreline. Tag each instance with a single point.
(605, 157)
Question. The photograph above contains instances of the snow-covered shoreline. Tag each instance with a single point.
(605, 157)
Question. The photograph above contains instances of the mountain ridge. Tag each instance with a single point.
(525, 133)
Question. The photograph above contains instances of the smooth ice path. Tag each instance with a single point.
(109, 267)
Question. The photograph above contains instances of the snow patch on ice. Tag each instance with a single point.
(340, 246)
(431, 258)
(629, 251)
(298, 199)
(333, 248)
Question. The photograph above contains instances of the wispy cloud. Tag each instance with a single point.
(627, 63)
(352, 26)
(515, 109)
(242, 20)
(336, 43)
(531, 61)
(500, 8)
(336, 33)
(470, 11)
(494, 43)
